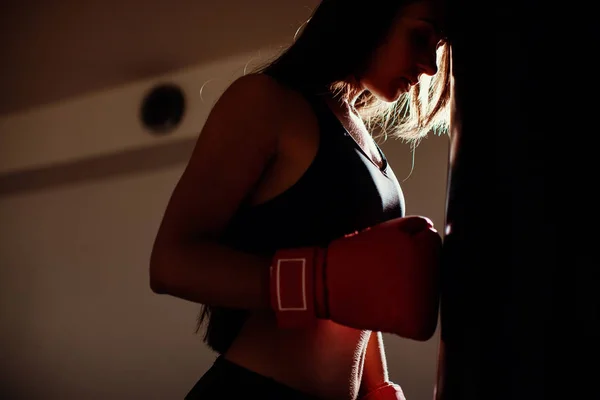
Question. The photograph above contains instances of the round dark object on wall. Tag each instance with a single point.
(163, 108)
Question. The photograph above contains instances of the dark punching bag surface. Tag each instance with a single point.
(520, 287)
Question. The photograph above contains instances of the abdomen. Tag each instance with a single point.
(324, 360)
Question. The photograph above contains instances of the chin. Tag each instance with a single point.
(389, 97)
(388, 93)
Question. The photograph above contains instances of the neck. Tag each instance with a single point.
(354, 93)
(350, 96)
(347, 97)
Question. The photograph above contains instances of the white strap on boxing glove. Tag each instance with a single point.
(297, 287)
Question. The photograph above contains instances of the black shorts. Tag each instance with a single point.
(226, 380)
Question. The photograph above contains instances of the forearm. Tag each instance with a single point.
(375, 366)
(209, 273)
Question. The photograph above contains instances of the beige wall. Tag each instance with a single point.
(54, 50)
(82, 191)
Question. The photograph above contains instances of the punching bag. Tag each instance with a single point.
(520, 288)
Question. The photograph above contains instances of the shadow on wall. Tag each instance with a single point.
(102, 167)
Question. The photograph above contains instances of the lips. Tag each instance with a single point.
(403, 85)
(412, 82)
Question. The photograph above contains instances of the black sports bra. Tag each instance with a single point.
(341, 192)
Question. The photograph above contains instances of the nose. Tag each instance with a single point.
(428, 64)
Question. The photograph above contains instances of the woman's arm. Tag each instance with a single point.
(375, 372)
(238, 142)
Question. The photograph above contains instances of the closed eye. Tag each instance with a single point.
(437, 30)
(424, 37)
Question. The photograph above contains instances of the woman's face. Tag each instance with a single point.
(407, 52)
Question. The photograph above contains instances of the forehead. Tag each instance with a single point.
(427, 10)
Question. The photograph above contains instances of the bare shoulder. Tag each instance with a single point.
(254, 93)
(250, 112)
(257, 84)
(258, 94)
(260, 109)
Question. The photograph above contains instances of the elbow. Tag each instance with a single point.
(157, 285)
(158, 273)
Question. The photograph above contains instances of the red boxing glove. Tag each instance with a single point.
(389, 391)
(384, 278)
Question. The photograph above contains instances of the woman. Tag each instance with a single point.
(288, 223)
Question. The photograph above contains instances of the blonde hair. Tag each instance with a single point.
(424, 109)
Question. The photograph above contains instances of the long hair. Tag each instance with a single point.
(323, 57)
(321, 60)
